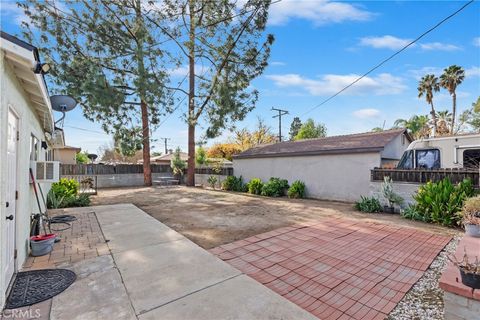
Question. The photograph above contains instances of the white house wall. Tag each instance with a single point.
(395, 148)
(343, 177)
(12, 95)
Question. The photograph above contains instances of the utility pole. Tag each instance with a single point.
(165, 140)
(279, 116)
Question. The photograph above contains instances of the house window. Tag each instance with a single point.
(471, 158)
(48, 155)
(406, 162)
(428, 158)
(34, 147)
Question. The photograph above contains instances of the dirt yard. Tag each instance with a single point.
(212, 218)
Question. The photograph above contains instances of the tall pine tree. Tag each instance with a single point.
(108, 55)
(224, 46)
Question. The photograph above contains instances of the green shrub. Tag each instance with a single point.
(81, 200)
(65, 188)
(367, 204)
(255, 186)
(412, 213)
(55, 202)
(232, 183)
(212, 181)
(389, 194)
(297, 190)
(442, 201)
(275, 187)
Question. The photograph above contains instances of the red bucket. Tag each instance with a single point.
(43, 237)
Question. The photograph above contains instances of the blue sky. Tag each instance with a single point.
(320, 47)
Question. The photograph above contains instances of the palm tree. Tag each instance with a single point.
(417, 126)
(450, 79)
(444, 119)
(426, 86)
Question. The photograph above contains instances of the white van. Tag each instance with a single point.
(460, 151)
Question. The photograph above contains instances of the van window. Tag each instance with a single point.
(428, 158)
(471, 158)
(406, 162)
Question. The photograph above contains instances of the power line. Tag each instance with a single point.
(279, 116)
(165, 140)
(83, 129)
(390, 57)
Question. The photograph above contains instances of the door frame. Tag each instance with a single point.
(15, 227)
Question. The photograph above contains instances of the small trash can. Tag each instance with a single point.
(42, 245)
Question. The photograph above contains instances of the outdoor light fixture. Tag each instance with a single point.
(42, 68)
(44, 145)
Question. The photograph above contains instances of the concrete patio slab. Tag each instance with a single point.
(239, 298)
(87, 267)
(98, 295)
(157, 274)
(160, 267)
(127, 227)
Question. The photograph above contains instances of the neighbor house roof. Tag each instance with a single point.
(353, 143)
(166, 157)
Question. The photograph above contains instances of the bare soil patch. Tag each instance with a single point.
(212, 218)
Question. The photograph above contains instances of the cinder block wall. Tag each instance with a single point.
(405, 190)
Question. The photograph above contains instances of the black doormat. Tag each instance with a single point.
(35, 286)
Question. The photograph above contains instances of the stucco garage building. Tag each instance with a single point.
(334, 168)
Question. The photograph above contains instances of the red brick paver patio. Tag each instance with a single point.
(337, 268)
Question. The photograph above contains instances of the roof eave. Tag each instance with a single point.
(23, 61)
(310, 153)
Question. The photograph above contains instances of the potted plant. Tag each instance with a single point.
(471, 216)
(390, 195)
(469, 271)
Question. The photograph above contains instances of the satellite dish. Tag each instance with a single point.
(62, 103)
(92, 157)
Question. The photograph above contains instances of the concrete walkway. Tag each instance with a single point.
(154, 272)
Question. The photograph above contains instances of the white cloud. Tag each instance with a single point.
(318, 12)
(384, 42)
(439, 46)
(277, 63)
(383, 84)
(476, 41)
(472, 72)
(419, 73)
(366, 113)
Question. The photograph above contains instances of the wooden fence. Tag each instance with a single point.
(224, 171)
(425, 175)
(99, 169)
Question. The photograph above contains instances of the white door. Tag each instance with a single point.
(11, 187)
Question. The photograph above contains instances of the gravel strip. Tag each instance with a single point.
(425, 299)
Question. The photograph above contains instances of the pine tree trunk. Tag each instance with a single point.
(434, 118)
(191, 100)
(454, 110)
(147, 172)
